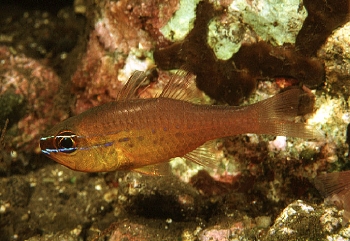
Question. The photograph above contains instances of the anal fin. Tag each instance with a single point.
(206, 155)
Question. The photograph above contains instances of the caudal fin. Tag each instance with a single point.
(333, 183)
(277, 114)
(335, 187)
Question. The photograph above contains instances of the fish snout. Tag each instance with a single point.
(47, 146)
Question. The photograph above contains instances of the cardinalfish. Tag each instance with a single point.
(141, 134)
(335, 187)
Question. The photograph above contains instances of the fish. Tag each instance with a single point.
(335, 188)
(142, 134)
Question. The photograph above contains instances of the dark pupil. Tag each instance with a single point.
(66, 142)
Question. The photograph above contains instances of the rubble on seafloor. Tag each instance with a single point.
(240, 51)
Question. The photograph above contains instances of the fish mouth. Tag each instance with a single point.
(46, 145)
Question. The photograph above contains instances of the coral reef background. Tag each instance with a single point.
(59, 58)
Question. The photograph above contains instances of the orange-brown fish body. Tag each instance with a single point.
(133, 133)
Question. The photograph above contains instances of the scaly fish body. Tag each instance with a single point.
(133, 133)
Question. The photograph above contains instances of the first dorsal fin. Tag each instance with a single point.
(129, 91)
(181, 86)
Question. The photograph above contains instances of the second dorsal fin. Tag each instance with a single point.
(181, 86)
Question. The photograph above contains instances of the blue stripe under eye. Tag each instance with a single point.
(64, 150)
(48, 151)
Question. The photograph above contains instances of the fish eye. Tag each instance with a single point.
(66, 142)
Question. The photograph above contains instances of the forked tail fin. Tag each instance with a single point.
(277, 114)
